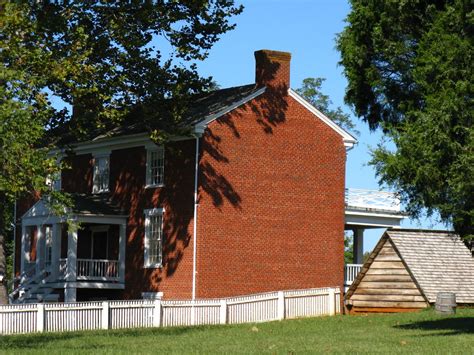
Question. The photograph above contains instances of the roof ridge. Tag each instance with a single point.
(390, 230)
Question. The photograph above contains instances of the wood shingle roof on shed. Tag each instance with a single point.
(439, 261)
(431, 261)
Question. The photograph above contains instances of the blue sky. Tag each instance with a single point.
(308, 30)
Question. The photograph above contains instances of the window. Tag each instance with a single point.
(153, 253)
(54, 181)
(155, 166)
(101, 174)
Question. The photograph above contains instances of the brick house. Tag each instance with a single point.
(254, 201)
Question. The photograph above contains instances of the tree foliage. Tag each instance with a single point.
(409, 68)
(69, 69)
(348, 248)
(311, 90)
(106, 59)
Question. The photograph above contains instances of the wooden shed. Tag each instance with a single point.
(406, 270)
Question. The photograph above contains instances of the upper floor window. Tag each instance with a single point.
(101, 174)
(54, 181)
(153, 252)
(155, 166)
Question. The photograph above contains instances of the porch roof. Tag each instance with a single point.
(96, 206)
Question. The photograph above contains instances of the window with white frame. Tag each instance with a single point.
(155, 166)
(153, 253)
(101, 174)
(54, 181)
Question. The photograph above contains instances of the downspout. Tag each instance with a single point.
(196, 175)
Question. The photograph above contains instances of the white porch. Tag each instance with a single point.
(51, 260)
(368, 209)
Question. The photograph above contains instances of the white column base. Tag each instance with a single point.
(70, 294)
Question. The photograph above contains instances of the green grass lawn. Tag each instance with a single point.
(424, 332)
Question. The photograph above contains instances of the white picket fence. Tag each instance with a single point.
(59, 317)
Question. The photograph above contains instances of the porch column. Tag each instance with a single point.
(55, 250)
(24, 237)
(122, 248)
(40, 246)
(70, 290)
(70, 293)
(358, 246)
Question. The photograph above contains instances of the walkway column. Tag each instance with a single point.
(358, 246)
(122, 248)
(71, 272)
(40, 246)
(55, 250)
(23, 254)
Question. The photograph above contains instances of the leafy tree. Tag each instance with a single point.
(311, 91)
(348, 248)
(409, 70)
(101, 63)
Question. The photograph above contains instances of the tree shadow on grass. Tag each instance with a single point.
(450, 326)
(84, 339)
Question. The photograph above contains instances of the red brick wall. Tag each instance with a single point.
(127, 188)
(271, 208)
(127, 175)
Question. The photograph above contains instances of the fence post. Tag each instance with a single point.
(223, 312)
(157, 313)
(281, 305)
(331, 302)
(105, 315)
(40, 317)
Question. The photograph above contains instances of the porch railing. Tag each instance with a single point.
(350, 273)
(372, 199)
(97, 269)
(92, 269)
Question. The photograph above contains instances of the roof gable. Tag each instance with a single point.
(439, 261)
(205, 109)
(39, 209)
(349, 140)
(201, 123)
(385, 279)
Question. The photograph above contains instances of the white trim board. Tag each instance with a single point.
(348, 139)
(98, 145)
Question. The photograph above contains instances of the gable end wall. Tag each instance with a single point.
(386, 285)
(271, 205)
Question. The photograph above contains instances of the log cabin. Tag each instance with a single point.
(406, 270)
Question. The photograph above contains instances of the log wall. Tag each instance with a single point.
(385, 285)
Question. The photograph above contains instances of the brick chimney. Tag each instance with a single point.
(272, 69)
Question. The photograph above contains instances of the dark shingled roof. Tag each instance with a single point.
(97, 205)
(202, 107)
